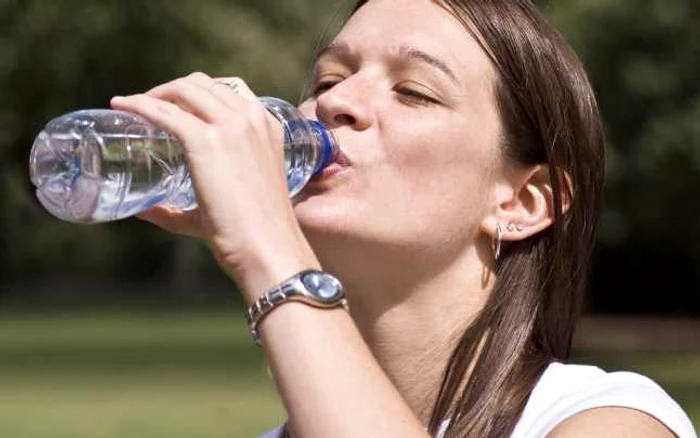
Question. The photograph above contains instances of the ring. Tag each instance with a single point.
(233, 86)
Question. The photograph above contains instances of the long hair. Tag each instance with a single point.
(549, 116)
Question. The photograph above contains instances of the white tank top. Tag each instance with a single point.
(565, 390)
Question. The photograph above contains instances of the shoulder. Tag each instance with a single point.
(613, 422)
(569, 397)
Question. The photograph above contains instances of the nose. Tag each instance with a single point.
(345, 104)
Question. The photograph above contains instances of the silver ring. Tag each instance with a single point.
(233, 86)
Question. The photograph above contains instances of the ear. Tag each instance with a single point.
(523, 204)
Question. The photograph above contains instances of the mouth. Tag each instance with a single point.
(341, 159)
(340, 163)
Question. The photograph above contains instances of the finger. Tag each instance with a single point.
(227, 88)
(233, 86)
(233, 92)
(168, 116)
(192, 93)
(200, 78)
(236, 95)
(186, 223)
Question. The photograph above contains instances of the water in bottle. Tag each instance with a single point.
(101, 165)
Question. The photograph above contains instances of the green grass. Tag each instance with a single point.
(109, 374)
(116, 374)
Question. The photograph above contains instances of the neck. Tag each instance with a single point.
(413, 324)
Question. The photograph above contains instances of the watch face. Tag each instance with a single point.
(323, 286)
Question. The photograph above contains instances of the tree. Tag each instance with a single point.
(59, 56)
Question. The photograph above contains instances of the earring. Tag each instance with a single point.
(499, 241)
(514, 227)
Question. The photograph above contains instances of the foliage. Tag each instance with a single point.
(642, 58)
(56, 57)
(59, 56)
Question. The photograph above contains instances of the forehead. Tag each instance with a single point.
(382, 27)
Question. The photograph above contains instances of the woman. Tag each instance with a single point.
(459, 217)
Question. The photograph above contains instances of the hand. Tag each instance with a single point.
(234, 151)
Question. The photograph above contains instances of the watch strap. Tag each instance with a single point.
(290, 290)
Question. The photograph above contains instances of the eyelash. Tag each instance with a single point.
(416, 97)
(322, 87)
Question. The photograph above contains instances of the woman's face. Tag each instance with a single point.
(409, 95)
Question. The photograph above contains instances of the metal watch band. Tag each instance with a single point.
(292, 289)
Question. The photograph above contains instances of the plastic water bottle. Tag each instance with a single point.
(101, 165)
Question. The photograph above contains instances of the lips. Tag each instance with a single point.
(341, 159)
(340, 162)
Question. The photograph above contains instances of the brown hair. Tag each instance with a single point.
(549, 116)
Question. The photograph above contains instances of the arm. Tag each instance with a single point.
(330, 383)
(611, 422)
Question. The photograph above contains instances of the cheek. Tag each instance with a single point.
(452, 165)
(440, 184)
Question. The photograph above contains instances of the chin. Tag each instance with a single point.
(318, 217)
(320, 209)
(331, 222)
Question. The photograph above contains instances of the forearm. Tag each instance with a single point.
(330, 382)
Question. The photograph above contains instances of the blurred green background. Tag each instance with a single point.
(122, 330)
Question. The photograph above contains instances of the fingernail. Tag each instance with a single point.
(118, 99)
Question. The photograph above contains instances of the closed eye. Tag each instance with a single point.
(408, 94)
(416, 97)
(323, 86)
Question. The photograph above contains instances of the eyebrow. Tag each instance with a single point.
(343, 52)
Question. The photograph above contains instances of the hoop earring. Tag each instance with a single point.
(499, 241)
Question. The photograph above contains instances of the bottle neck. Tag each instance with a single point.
(328, 146)
(293, 121)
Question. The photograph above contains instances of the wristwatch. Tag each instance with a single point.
(311, 287)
